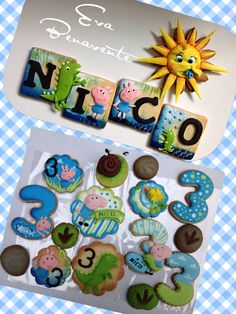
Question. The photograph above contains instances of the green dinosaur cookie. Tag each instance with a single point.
(142, 296)
(112, 170)
(65, 235)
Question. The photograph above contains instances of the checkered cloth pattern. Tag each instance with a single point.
(217, 291)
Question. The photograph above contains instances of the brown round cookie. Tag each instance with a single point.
(15, 260)
(188, 238)
(146, 167)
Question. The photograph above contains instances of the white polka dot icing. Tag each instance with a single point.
(198, 209)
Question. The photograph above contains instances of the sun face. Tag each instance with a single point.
(183, 61)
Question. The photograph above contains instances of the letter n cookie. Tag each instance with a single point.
(178, 132)
(136, 104)
(91, 104)
(41, 72)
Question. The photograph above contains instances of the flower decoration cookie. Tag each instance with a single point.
(112, 170)
(148, 199)
(43, 225)
(183, 281)
(155, 251)
(97, 268)
(198, 208)
(183, 61)
(62, 173)
(15, 260)
(97, 212)
(51, 267)
(65, 235)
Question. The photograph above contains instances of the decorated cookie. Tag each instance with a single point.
(97, 268)
(178, 132)
(91, 104)
(51, 267)
(146, 167)
(62, 173)
(65, 235)
(136, 104)
(155, 251)
(183, 281)
(112, 170)
(51, 77)
(15, 260)
(198, 208)
(43, 223)
(97, 212)
(148, 199)
(188, 238)
(142, 297)
(183, 61)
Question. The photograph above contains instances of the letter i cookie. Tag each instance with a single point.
(198, 209)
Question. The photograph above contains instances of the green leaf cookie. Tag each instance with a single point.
(142, 296)
(65, 235)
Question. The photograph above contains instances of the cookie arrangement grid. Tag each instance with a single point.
(216, 292)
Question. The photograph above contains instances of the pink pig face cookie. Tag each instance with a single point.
(129, 92)
(160, 252)
(101, 95)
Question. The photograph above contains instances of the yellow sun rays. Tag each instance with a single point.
(183, 60)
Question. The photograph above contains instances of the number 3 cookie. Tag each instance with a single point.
(44, 224)
(62, 173)
(97, 268)
(198, 209)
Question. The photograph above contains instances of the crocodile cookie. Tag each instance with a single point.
(15, 260)
(65, 235)
(112, 170)
(146, 167)
(188, 238)
(97, 268)
(142, 297)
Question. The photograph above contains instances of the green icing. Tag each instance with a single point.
(149, 259)
(66, 79)
(180, 296)
(93, 279)
(142, 296)
(167, 139)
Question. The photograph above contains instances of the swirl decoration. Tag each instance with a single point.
(109, 165)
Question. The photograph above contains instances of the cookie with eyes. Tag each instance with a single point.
(112, 170)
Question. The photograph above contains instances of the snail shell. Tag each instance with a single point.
(109, 165)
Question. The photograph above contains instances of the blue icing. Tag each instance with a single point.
(198, 209)
(61, 173)
(136, 262)
(187, 263)
(43, 223)
(40, 275)
(98, 109)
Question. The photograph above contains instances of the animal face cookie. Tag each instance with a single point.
(155, 250)
(136, 104)
(62, 173)
(91, 104)
(65, 235)
(15, 260)
(97, 268)
(184, 292)
(148, 199)
(97, 212)
(112, 170)
(178, 132)
(51, 267)
(43, 223)
(198, 208)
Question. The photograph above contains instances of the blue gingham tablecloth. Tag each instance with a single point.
(217, 291)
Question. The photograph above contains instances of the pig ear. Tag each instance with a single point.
(125, 85)
(130, 84)
(66, 167)
(62, 167)
(47, 251)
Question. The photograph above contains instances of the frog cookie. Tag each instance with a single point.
(97, 268)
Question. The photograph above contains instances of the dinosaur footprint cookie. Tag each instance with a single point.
(97, 268)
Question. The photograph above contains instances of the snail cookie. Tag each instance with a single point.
(97, 268)
(112, 170)
(15, 260)
(188, 238)
(146, 167)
